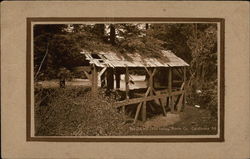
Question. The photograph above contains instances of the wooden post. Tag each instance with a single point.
(140, 104)
(151, 81)
(103, 83)
(117, 79)
(94, 81)
(110, 78)
(101, 76)
(150, 88)
(144, 111)
(127, 83)
(126, 87)
(170, 102)
(185, 86)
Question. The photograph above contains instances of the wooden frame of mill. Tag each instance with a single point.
(104, 69)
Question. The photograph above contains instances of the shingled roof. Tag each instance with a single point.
(112, 59)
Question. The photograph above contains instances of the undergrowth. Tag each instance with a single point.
(74, 111)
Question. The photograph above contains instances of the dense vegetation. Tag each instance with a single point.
(57, 47)
(72, 111)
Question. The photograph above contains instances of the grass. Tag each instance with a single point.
(72, 111)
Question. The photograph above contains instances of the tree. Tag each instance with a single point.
(112, 34)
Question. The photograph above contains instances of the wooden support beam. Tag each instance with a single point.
(137, 112)
(103, 80)
(154, 71)
(102, 76)
(144, 106)
(152, 92)
(94, 80)
(151, 82)
(185, 86)
(126, 87)
(138, 100)
(160, 102)
(147, 70)
(140, 104)
(178, 73)
(101, 72)
(170, 89)
(87, 75)
(117, 79)
(110, 78)
(150, 89)
(127, 83)
(144, 111)
(179, 101)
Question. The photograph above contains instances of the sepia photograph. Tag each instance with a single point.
(125, 79)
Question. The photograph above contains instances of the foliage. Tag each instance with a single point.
(174, 37)
(134, 38)
(73, 111)
(196, 43)
(204, 66)
(206, 98)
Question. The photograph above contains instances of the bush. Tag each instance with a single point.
(207, 98)
(74, 111)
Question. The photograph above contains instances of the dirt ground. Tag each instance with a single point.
(192, 121)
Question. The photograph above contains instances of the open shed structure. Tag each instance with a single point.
(165, 78)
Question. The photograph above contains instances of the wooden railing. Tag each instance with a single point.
(160, 94)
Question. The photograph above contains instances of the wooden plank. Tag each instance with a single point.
(137, 112)
(141, 99)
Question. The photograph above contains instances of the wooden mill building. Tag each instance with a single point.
(165, 78)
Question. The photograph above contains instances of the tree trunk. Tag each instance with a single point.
(112, 34)
(100, 30)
